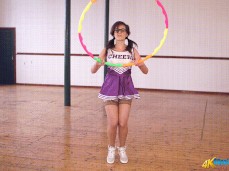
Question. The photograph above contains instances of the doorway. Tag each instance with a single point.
(7, 55)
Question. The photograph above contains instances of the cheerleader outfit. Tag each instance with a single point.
(118, 83)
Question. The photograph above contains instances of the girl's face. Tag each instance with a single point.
(120, 33)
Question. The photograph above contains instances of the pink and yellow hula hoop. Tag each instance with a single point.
(128, 64)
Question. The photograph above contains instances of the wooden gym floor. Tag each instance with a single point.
(168, 131)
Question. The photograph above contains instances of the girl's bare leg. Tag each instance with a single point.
(124, 110)
(112, 123)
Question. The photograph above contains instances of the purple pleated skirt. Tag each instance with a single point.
(118, 86)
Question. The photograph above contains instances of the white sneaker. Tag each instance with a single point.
(122, 154)
(111, 155)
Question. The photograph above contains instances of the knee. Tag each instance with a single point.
(113, 124)
(123, 124)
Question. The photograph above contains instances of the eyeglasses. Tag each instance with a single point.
(120, 30)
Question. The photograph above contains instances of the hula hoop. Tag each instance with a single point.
(131, 63)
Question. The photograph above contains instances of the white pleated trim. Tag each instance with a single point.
(128, 97)
(120, 70)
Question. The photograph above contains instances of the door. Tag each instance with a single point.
(7, 56)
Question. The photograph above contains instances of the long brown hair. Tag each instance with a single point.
(110, 43)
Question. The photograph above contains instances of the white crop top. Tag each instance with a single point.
(119, 57)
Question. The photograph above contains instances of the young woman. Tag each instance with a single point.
(118, 89)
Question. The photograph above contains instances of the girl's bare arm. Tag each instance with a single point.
(97, 65)
(142, 66)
